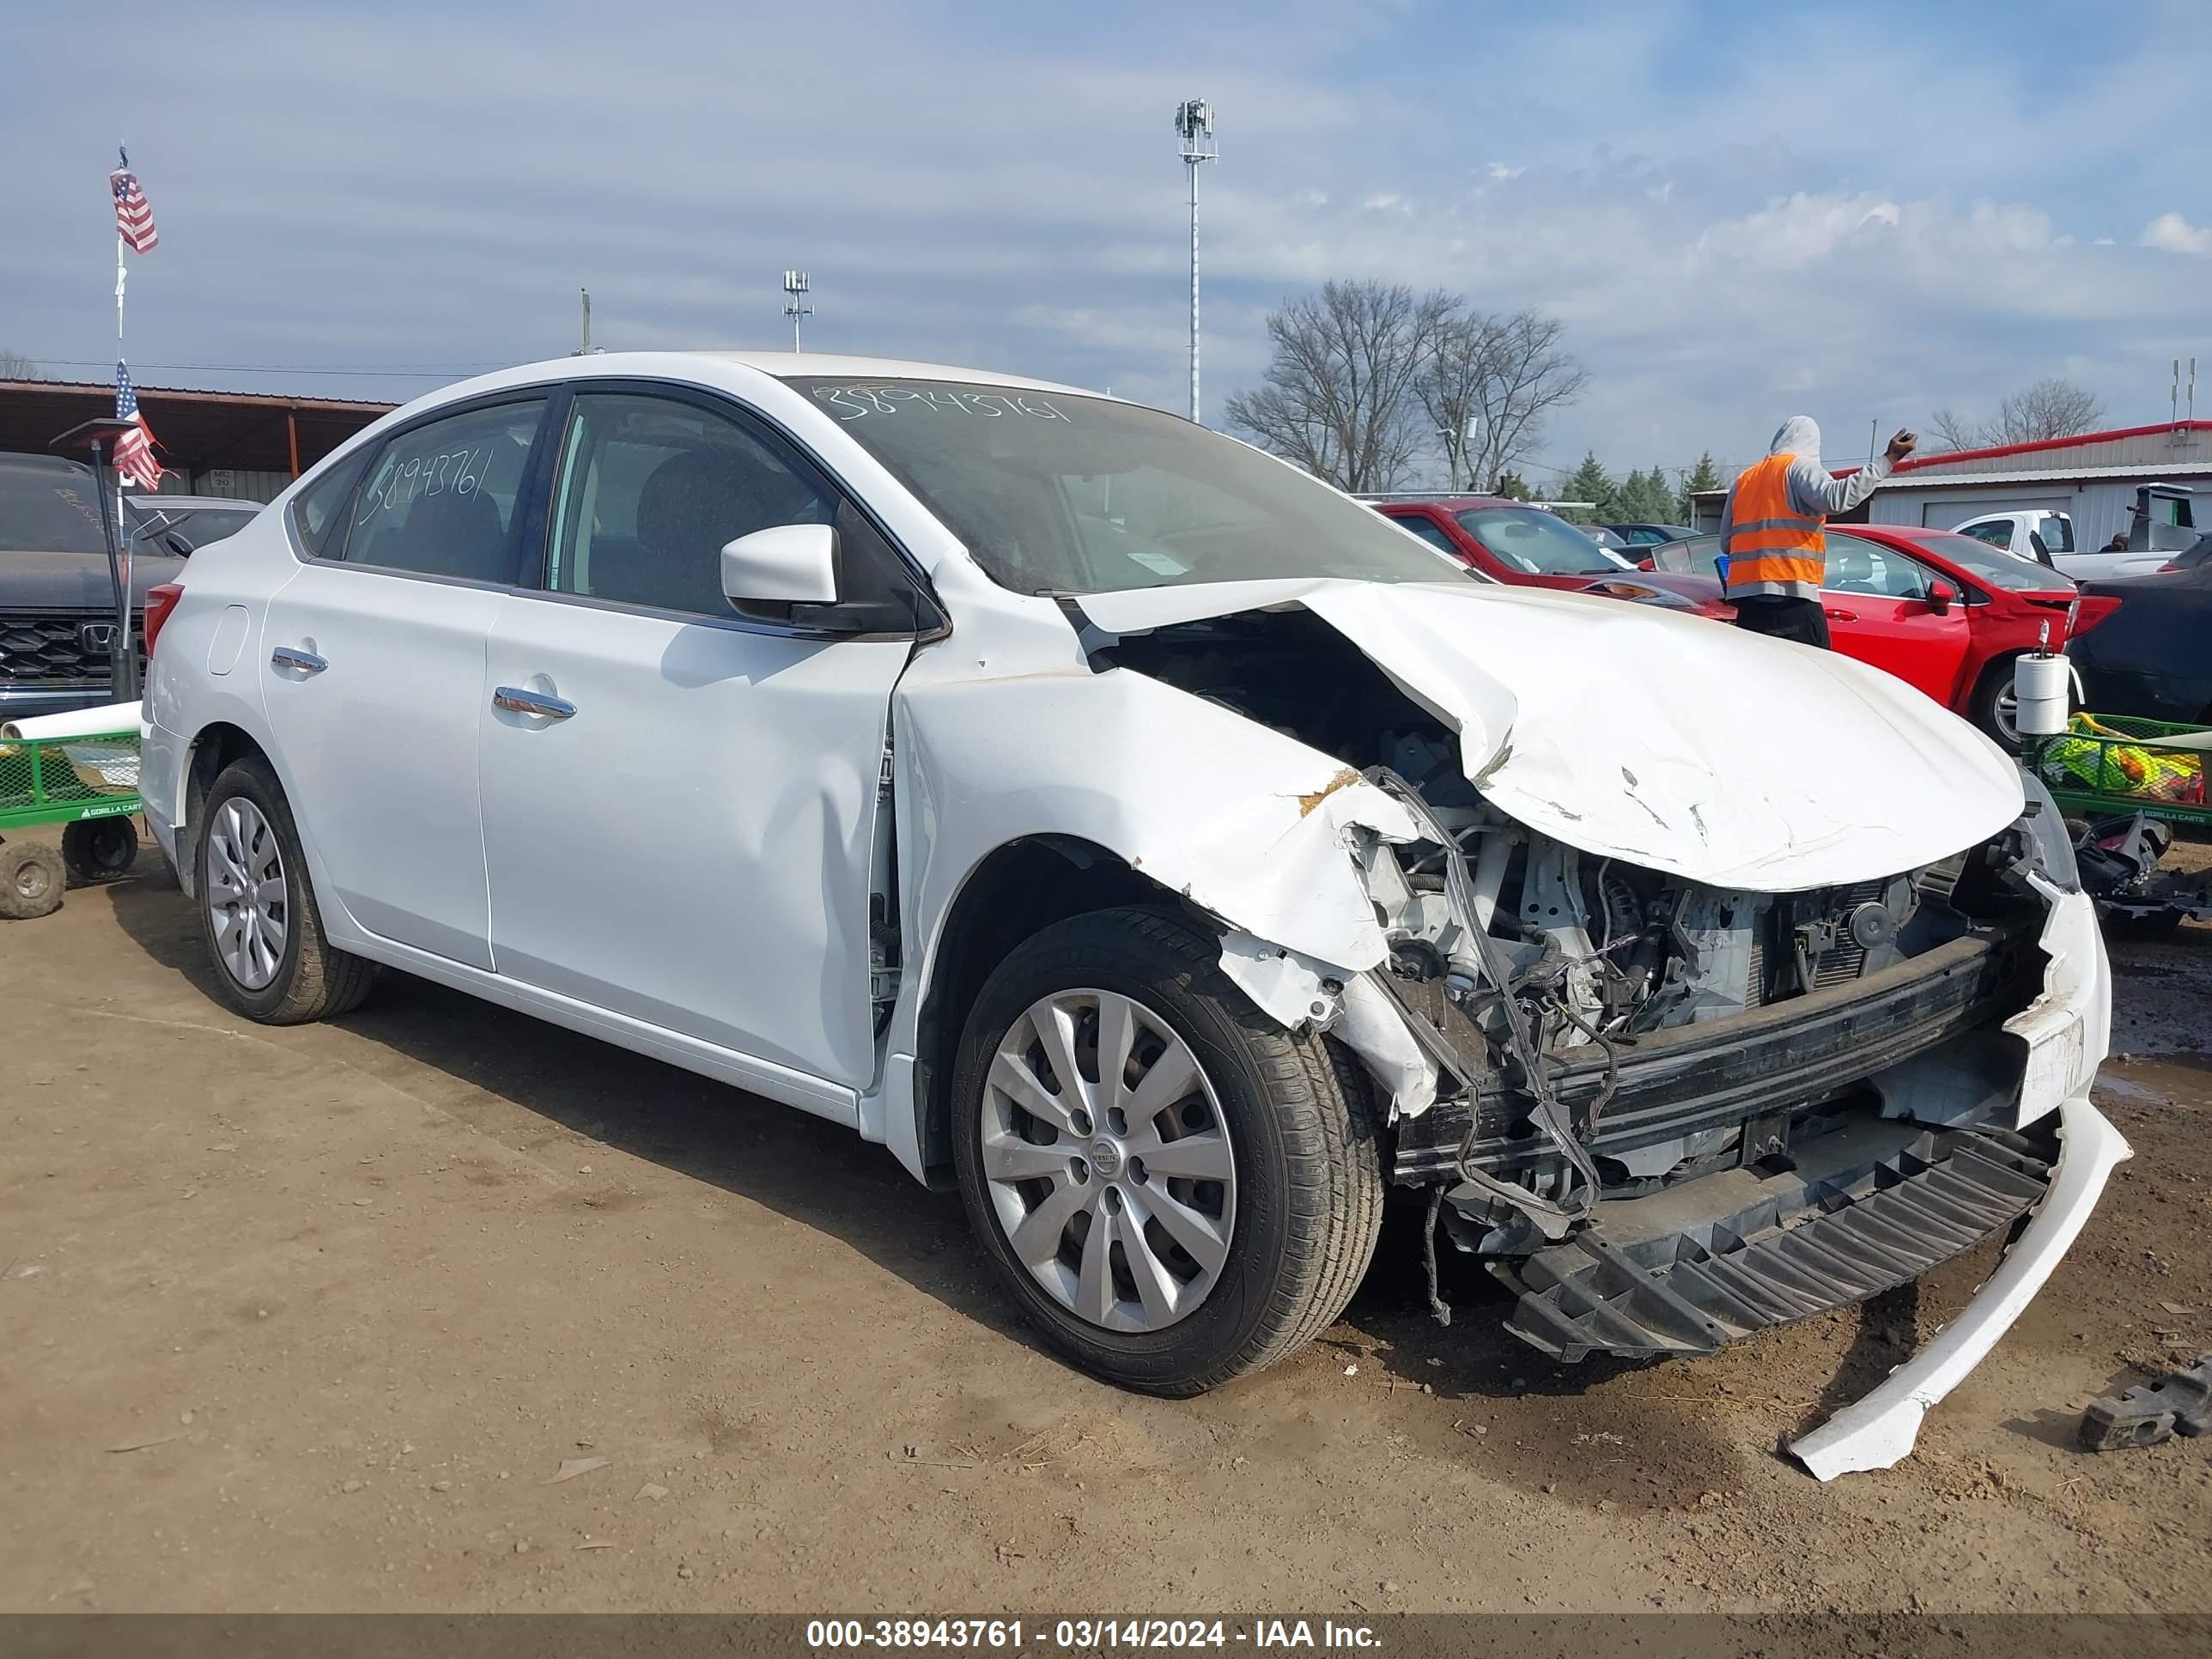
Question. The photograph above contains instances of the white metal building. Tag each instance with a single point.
(2094, 477)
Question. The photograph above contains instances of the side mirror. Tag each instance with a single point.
(784, 564)
(1942, 596)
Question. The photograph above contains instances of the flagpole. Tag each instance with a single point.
(128, 657)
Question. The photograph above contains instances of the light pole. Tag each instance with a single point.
(1195, 125)
(796, 287)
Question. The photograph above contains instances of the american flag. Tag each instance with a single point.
(134, 214)
(134, 450)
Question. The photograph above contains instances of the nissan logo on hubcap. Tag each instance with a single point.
(1105, 1158)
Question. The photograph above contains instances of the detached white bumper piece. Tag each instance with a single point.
(1879, 1430)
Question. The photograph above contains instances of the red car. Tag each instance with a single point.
(1943, 612)
(1525, 546)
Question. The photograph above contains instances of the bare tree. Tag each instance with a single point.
(1954, 431)
(2052, 408)
(1524, 376)
(1339, 397)
(14, 366)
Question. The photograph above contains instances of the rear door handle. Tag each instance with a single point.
(1841, 616)
(516, 700)
(291, 656)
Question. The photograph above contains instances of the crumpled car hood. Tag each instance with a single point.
(1667, 740)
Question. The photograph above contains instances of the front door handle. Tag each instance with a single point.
(516, 700)
(1841, 616)
(291, 656)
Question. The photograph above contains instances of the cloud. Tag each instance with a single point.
(2174, 234)
(997, 183)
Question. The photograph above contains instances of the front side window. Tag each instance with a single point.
(1427, 528)
(1857, 566)
(441, 499)
(1540, 543)
(1056, 492)
(651, 488)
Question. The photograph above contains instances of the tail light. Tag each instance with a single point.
(2166, 569)
(2093, 611)
(160, 600)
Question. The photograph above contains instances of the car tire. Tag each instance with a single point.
(32, 878)
(1994, 708)
(271, 961)
(1300, 1208)
(100, 849)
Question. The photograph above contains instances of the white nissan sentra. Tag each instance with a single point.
(1114, 821)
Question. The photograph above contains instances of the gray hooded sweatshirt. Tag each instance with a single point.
(1811, 492)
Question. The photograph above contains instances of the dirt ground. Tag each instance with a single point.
(439, 1307)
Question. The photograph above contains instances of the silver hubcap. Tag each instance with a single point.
(2007, 710)
(1108, 1164)
(246, 898)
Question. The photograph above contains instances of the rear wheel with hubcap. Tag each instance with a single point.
(258, 909)
(1175, 1190)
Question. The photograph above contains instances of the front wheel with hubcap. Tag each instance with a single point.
(258, 910)
(1176, 1190)
(1997, 705)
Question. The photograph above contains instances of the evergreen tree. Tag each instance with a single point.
(1703, 476)
(1512, 485)
(1590, 483)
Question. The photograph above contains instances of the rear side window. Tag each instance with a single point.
(319, 513)
(441, 499)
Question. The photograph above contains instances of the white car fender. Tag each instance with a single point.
(1246, 824)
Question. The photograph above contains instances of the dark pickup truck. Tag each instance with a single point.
(57, 599)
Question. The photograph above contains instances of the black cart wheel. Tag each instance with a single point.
(31, 880)
(100, 849)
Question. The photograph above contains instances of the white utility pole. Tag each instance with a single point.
(1195, 125)
(796, 287)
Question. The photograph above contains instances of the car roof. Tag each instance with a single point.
(789, 365)
(1457, 503)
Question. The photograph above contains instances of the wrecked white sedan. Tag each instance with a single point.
(1163, 846)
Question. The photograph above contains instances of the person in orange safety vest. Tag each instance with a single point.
(1771, 530)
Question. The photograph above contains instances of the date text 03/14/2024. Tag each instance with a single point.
(1013, 1635)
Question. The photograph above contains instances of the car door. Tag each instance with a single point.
(373, 664)
(1876, 602)
(681, 803)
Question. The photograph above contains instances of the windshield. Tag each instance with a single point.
(1988, 564)
(1536, 543)
(1059, 493)
(48, 506)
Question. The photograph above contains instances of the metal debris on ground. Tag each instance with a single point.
(2180, 1403)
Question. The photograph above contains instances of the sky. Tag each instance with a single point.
(1739, 211)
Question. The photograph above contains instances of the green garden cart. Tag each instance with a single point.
(88, 784)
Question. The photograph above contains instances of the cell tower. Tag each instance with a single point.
(796, 287)
(1194, 126)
